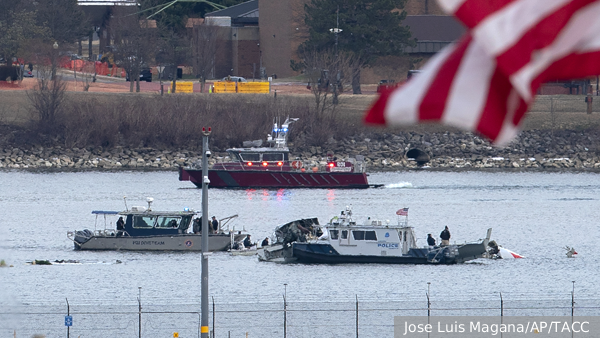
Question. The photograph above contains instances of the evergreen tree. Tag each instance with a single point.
(17, 28)
(64, 19)
(369, 29)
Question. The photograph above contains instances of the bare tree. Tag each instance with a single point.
(205, 50)
(175, 50)
(329, 74)
(132, 49)
(47, 97)
(88, 76)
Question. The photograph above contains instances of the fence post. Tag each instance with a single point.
(284, 317)
(428, 302)
(501, 305)
(284, 310)
(140, 311)
(68, 314)
(213, 323)
(356, 316)
(573, 300)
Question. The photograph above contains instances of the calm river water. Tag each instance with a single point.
(534, 214)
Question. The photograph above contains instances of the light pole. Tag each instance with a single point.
(54, 58)
(259, 61)
(336, 31)
(204, 281)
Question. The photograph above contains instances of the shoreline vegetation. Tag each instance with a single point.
(95, 131)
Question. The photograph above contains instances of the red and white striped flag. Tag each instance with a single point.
(487, 80)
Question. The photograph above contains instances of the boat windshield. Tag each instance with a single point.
(234, 156)
(169, 222)
(250, 157)
(273, 157)
(143, 221)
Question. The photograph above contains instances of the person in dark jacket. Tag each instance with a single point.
(120, 226)
(215, 224)
(430, 240)
(265, 242)
(197, 227)
(247, 242)
(445, 236)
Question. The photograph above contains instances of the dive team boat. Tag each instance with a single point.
(255, 166)
(146, 229)
(344, 241)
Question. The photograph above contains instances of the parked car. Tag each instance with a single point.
(145, 75)
(27, 73)
(385, 85)
(234, 78)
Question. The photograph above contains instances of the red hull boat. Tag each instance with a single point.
(270, 167)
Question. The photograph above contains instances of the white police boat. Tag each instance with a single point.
(149, 230)
(345, 241)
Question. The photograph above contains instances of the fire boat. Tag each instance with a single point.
(271, 166)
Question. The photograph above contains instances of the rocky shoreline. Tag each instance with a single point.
(533, 150)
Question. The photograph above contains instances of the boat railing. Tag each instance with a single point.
(435, 259)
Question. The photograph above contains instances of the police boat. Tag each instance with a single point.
(344, 241)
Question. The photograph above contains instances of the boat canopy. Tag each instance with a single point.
(103, 212)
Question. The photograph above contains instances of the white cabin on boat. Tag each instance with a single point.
(374, 238)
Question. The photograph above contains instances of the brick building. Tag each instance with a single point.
(262, 36)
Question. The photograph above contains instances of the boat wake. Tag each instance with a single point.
(400, 185)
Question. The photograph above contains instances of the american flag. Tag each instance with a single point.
(487, 80)
(402, 212)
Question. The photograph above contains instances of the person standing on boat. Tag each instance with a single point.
(215, 224)
(120, 226)
(445, 236)
(430, 240)
(197, 227)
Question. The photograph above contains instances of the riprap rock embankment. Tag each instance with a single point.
(382, 151)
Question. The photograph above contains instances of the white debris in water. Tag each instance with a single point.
(399, 185)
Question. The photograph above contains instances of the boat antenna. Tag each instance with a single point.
(125, 200)
(149, 200)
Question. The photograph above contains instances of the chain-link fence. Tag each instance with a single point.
(283, 318)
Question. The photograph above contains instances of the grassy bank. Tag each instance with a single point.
(149, 120)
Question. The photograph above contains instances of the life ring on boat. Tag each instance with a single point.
(296, 164)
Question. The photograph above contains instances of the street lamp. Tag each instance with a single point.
(54, 59)
(336, 31)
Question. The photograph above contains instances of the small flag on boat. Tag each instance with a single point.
(402, 212)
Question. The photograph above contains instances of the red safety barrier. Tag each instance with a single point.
(101, 68)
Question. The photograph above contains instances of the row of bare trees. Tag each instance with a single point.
(134, 42)
(171, 121)
(137, 43)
